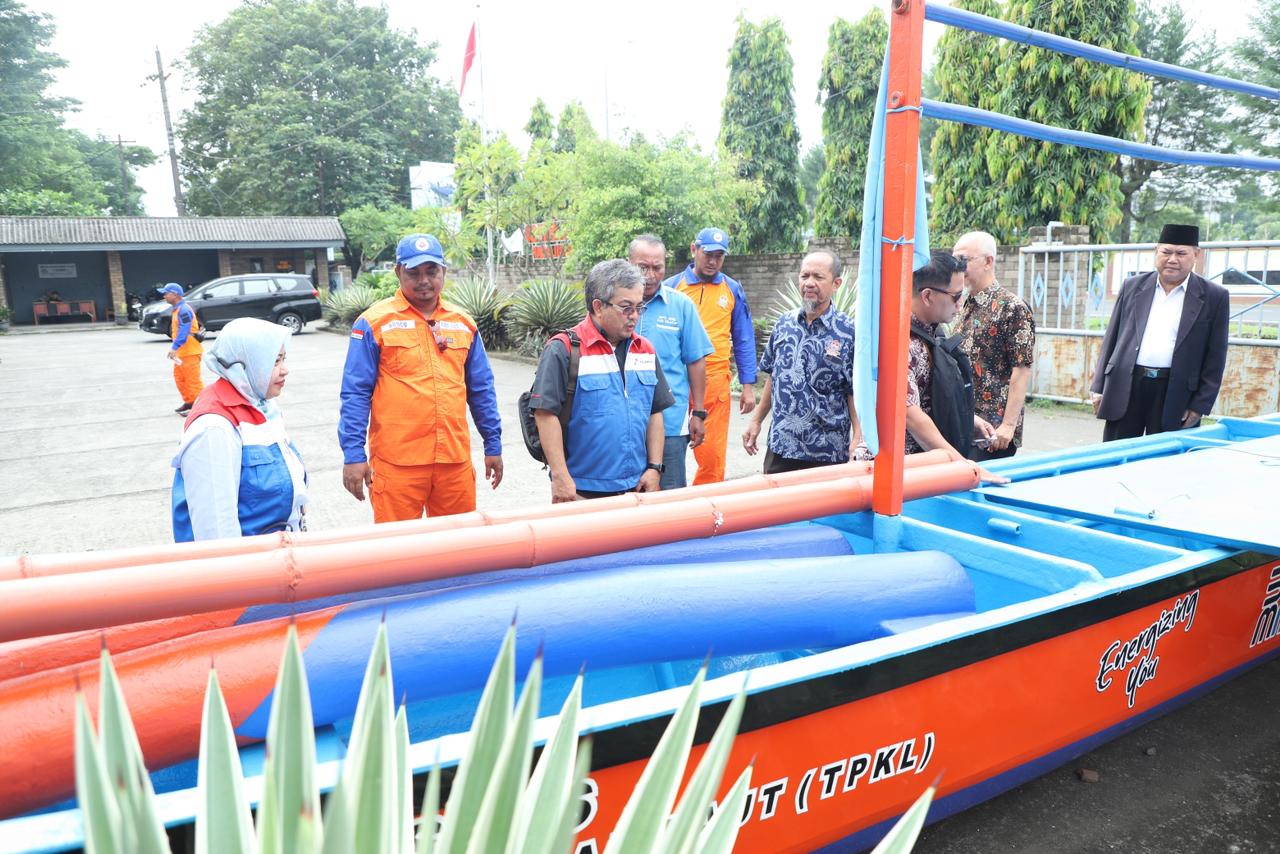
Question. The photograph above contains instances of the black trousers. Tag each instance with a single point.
(774, 464)
(1146, 406)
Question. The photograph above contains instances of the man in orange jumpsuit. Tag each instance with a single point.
(414, 366)
(722, 305)
(186, 351)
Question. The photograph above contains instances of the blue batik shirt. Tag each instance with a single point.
(671, 323)
(811, 367)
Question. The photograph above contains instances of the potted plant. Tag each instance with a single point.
(5, 315)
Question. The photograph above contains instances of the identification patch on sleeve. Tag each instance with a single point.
(357, 334)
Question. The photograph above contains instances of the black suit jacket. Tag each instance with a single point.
(1199, 353)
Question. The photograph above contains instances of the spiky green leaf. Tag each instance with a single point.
(223, 825)
(488, 730)
(98, 807)
(645, 815)
(721, 831)
(549, 792)
(682, 831)
(901, 838)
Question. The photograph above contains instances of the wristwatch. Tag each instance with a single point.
(699, 413)
(658, 467)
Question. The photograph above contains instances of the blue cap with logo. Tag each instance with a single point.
(419, 249)
(712, 239)
(172, 288)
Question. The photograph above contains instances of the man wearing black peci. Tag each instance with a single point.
(1165, 349)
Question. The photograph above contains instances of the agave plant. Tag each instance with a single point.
(541, 308)
(496, 804)
(344, 306)
(480, 300)
(787, 298)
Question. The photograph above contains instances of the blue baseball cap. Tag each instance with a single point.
(712, 239)
(172, 288)
(419, 249)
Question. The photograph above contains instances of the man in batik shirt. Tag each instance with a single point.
(809, 359)
(1000, 341)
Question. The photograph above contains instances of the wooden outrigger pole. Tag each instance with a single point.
(901, 154)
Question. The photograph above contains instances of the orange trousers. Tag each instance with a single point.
(401, 493)
(710, 454)
(187, 377)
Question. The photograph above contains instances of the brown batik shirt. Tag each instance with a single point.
(999, 335)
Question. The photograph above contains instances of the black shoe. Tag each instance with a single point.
(183, 409)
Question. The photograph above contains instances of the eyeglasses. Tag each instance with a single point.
(626, 309)
(955, 297)
(441, 345)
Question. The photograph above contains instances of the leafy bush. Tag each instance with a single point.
(383, 282)
(539, 309)
(344, 306)
(480, 300)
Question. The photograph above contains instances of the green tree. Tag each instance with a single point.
(42, 169)
(847, 90)
(670, 189)
(1042, 181)
(758, 130)
(965, 186)
(372, 232)
(310, 107)
(573, 127)
(103, 157)
(541, 125)
(1257, 59)
(812, 166)
(1179, 115)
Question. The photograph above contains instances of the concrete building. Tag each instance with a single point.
(91, 264)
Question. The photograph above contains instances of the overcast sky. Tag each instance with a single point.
(659, 69)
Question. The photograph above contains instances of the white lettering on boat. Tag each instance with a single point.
(1268, 624)
(1137, 655)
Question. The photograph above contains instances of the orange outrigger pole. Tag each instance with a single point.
(901, 153)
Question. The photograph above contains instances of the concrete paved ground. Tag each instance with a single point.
(85, 441)
(88, 432)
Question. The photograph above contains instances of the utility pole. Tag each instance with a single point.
(124, 172)
(178, 202)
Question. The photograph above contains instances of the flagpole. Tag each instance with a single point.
(484, 137)
(902, 144)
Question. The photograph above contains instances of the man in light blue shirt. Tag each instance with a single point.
(669, 320)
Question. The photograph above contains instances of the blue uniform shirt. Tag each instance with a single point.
(670, 321)
(811, 366)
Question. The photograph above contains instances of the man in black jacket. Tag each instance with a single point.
(1165, 349)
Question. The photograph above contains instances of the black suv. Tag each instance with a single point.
(283, 298)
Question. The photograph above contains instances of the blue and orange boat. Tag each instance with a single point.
(890, 621)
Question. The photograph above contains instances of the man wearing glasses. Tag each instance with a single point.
(1162, 358)
(615, 429)
(669, 320)
(1000, 341)
(414, 366)
(939, 384)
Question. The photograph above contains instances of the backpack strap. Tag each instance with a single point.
(575, 348)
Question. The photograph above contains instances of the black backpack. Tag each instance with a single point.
(529, 424)
(951, 388)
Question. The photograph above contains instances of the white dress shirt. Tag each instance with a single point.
(1156, 350)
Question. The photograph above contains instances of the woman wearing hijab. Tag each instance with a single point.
(237, 472)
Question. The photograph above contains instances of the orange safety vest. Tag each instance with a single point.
(418, 413)
(190, 347)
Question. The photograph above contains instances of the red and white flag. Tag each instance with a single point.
(468, 58)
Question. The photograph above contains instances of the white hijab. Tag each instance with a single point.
(245, 356)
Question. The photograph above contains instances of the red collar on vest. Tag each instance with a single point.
(221, 398)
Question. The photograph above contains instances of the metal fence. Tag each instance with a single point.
(1073, 287)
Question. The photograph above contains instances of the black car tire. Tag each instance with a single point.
(292, 320)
